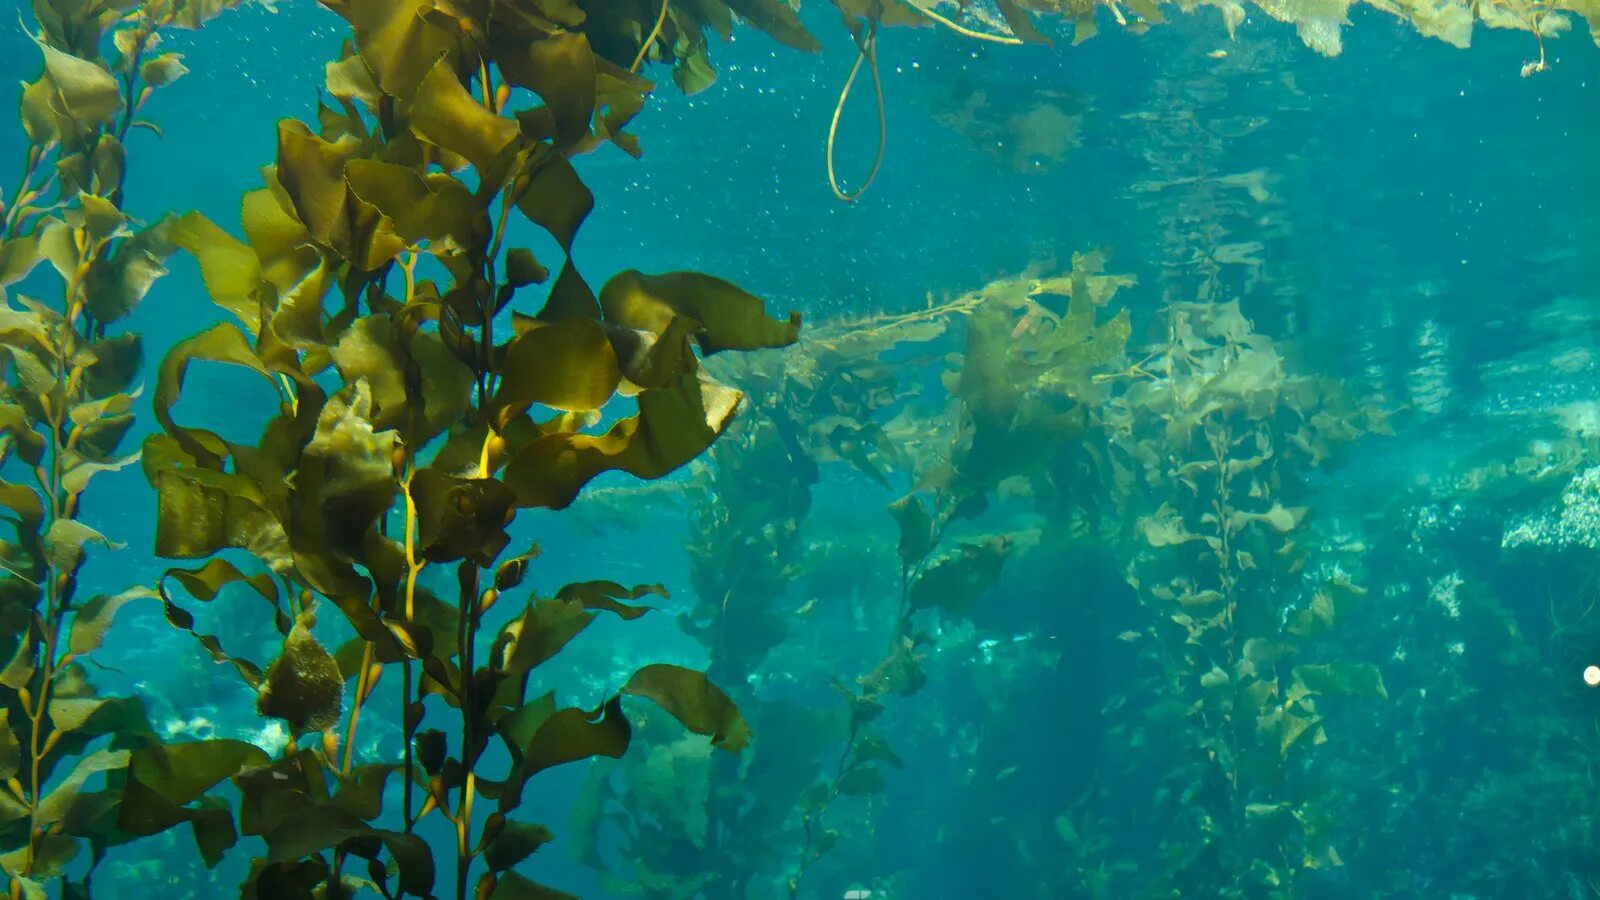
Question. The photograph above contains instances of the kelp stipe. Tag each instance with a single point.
(377, 294)
(66, 406)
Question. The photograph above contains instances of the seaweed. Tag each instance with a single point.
(419, 410)
(1212, 443)
(66, 407)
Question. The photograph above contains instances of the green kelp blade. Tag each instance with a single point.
(560, 68)
(733, 319)
(512, 886)
(673, 426)
(778, 19)
(513, 843)
(164, 778)
(692, 699)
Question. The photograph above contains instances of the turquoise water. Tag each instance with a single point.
(1414, 223)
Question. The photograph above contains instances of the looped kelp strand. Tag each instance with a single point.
(867, 52)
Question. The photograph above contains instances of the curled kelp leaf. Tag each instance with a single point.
(731, 318)
(693, 700)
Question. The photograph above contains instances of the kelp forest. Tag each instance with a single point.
(427, 527)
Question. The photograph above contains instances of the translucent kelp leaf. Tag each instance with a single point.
(417, 208)
(1296, 725)
(445, 115)
(522, 268)
(1317, 21)
(693, 72)
(280, 241)
(956, 580)
(18, 256)
(872, 748)
(66, 541)
(899, 673)
(47, 860)
(693, 700)
(40, 121)
(1020, 24)
(560, 69)
(1589, 9)
(460, 517)
(863, 781)
(566, 365)
(10, 750)
(397, 44)
(605, 594)
(311, 172)
(58, 804)
(1446, 20)
(163, 779)
(651, 360)
(1361, 679)
(514, 842)
(732, 318)
(553, 197)
(70, 713)
(200, 512)
(20, 668)
(512, 886)
(916, 529)
(673, 427)
(572, 734)
(117, 285)
(163, 69)
(539, 634)
(303, 686)
(88, 93)
(1280, 518)
(777, 18)
(349, 79)
(229, 267)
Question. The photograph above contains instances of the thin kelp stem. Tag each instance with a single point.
(867, 52)
(24, 193)
(644, 48)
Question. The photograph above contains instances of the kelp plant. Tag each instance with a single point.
(378, 293)
(66, 405)
(691, 823)
(1213, 444)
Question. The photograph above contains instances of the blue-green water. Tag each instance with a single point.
(1414, 224)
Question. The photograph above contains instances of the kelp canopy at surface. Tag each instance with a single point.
(681, 37)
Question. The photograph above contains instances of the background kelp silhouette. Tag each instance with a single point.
(1231, 702)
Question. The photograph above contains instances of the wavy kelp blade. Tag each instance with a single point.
(692, 699)
(560, 68)
(673, 427)
(567, 365)
(512, 886)
(514, 842)
(165, 778)
(955, 581)
(733, 319)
